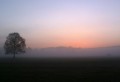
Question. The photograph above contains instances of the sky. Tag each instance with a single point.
(52, 23)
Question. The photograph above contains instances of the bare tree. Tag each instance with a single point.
(14, 44)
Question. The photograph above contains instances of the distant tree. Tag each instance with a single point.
(14, 44)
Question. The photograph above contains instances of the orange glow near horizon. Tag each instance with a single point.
(71, 36)
(83, 43)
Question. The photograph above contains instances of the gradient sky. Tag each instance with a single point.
(51, 23)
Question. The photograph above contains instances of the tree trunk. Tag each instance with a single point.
(13, 59)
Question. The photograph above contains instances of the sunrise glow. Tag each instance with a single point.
(52, 23)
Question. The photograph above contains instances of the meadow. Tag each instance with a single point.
(60, 70)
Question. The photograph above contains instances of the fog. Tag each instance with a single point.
(68, 52)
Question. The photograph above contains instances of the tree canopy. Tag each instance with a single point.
(14, 44)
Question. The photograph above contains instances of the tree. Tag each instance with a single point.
(14, 44)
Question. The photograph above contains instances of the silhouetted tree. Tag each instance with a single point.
(14, 44)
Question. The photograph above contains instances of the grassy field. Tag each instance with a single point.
(60, 70)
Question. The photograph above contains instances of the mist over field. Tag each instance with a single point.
(68, 52)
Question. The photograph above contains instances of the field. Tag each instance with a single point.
(60, 70)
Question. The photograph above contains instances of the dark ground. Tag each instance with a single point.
(60, 70)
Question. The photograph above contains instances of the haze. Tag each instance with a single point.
(52, 23)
